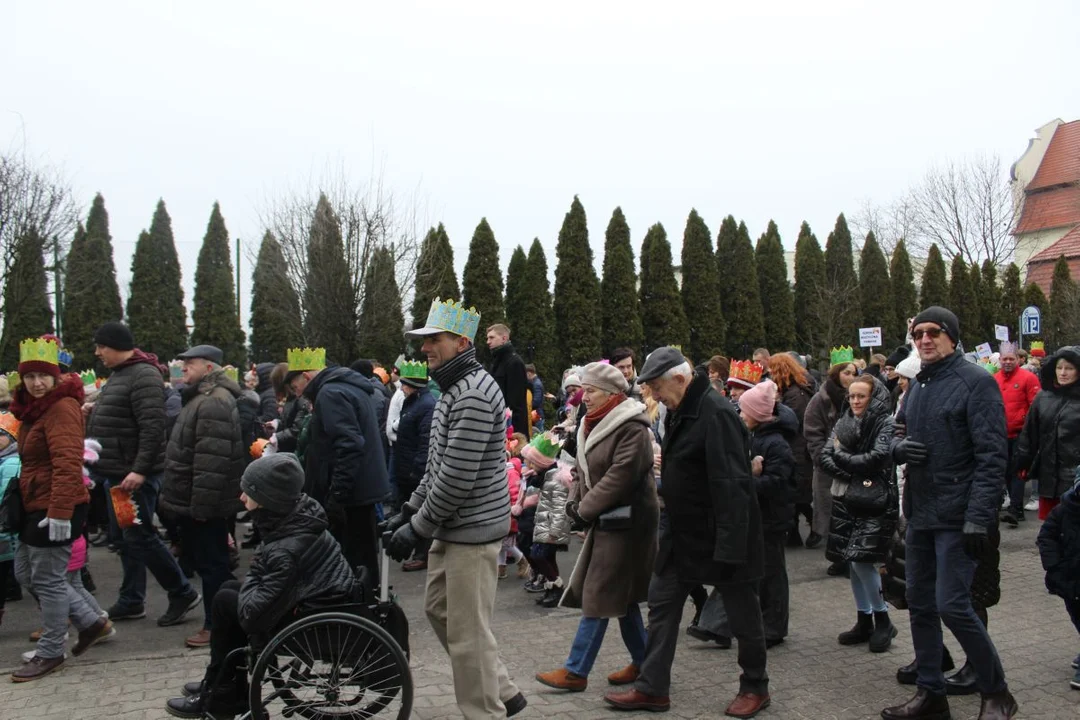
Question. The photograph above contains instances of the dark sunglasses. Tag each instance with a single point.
(934, 334)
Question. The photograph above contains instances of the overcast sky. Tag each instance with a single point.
(782, 110)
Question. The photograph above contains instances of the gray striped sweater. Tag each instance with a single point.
(463, 497)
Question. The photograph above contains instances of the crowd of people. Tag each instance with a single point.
(680, 481)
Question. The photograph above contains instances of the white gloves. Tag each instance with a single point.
(59, 530)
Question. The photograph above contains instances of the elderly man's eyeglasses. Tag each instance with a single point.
(934, 334)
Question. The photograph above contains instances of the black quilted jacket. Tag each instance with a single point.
(129, 422)
(1049, 445)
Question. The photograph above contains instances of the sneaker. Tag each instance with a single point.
(119, 612)
(99, 631)
(1075, 682)
(1032, 504)
(535, 586)
(179, 608)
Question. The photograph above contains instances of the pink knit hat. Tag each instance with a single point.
(758, 402)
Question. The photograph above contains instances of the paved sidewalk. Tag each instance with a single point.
(813, 678)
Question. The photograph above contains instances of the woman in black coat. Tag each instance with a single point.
(858, 456)
(795, 391)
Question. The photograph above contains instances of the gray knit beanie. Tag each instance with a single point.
(274, 481)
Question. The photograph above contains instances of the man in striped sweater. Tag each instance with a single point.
(463, 504)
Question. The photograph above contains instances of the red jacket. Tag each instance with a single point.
(1018, 389)
(513, 481)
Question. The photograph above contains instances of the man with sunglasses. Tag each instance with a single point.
(955, 450)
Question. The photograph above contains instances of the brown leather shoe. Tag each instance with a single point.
(563, 679)
(998, 706)
(413, 565)
(37, 668)
(625, 676)
(923, 706)
(747, 705)
(632, 699)
(199, 639)
(97, 632)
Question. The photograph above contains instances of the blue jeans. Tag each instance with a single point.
(866, 587)
(142, 548)
(590, 636)
(939, 575)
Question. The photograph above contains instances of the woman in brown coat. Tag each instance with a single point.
(612, 573)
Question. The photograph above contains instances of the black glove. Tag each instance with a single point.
(392, 523)
(975, 544)
(577, 523)
(402, 543)
(910, 452)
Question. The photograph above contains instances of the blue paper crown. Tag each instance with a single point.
(65, 358)
(452, 317)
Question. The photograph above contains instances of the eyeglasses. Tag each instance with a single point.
(934, 334)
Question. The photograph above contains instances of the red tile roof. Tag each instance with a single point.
(1059, 207)
(1042, 273)
(1069, 246)
(1061, 163)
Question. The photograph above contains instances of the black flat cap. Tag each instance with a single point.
(659, 362)
(203, 352)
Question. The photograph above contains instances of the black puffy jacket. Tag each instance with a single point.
(1049, 445)
(297, 565)
(776, 484)
(268, 404)
(129, 421)
(293, 420)
(414, 432)
(1059, 546)
(798, 397)
(955, 408)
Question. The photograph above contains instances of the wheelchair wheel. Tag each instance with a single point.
(332, 666)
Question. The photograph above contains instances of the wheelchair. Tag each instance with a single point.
(338, 662)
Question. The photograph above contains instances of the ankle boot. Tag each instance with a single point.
(553, 590)
(962, 682)
(884, 632)
(998, 706)
(864, 628)
(923, 706)
(908, 674)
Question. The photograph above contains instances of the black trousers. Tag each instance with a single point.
(227, 635)
(773, 595)
(356, 528)
(667, 596)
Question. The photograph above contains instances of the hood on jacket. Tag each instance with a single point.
(306, 518)
(263, 370)
(337, 374)
(28, 409)
(216, 379)
(138, 357)
(1047, 375)
(786, 423)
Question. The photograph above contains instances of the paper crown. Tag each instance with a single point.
(745, 372)
(1037, 349)
(13, 380)
(990, 367)
(10, 424)
(452, 317)
(258, 447)
(842, 354)
(38, 350)
(65, 357)
(232, 373)
(411, 370)
(176, 370)
(546, 445)
(305, 359)
(89, 377)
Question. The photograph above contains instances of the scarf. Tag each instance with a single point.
(593, 417)
(29, 409)
(450, 372)
(837, 394)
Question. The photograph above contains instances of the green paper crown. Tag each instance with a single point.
(990, 367)
(89, 377)
(546, 445)
(452, 317)
(232, 373)
(841, 355)
(13, 380)
(38, 350)
(305, 359)
(411, 370)
(176, 369)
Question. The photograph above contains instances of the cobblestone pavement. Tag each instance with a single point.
(813, 678)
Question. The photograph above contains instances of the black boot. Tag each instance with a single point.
(813, 540)
(88, 580)
(998, 706)
(884, 632)
(838, 569)
(553, 590)
(864, 628)
(794, 538)
(908, 674)
(962, 682)
(923, 706)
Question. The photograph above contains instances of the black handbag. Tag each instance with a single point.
(617, 518)
(866, 496)
(11, 508)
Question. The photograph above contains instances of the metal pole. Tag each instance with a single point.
(1020, 335)
(56, 281)
(238, 281)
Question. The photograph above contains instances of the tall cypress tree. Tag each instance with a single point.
(435, 277)
(577, 291)
(935, 288)
(963, 303)
(810, 294)
(841, 285)
(875, 290)
(978, 333)
(776, 299)
(1034, 296)
(26, 309)
(518, 295)
(276, 324)
(1012, 299)
(904, 297)
(1063, 321)
(726, 240)
(662, 316)
(91, 297)
(535, 339)
(330, 309)
(746, 321)
(382, 322)
(482, 283)
(155, 310)
(701, 291)
(620, 308)
(989, 300)
(216, 321)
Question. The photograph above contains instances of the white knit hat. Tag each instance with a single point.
(910, 366)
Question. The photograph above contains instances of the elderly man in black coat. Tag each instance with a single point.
(714, 536)
(956, 452)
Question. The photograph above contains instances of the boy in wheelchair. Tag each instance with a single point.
(299, 565)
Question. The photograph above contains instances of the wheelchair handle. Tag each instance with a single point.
(384, 571)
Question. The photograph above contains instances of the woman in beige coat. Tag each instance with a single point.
(611, 576)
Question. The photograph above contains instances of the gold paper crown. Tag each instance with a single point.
(411, 370)
(452, 317)
(304, 359)
(13, 380)
(38, 350)
(842, 354)
(746, 371)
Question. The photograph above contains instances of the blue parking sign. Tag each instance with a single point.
(1031, 321)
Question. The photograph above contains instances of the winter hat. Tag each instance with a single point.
(898, 356)
(116, 336)
(910, 366)
(542, 451)
(605, 377)
(941, 316)
(759, 401)
(274, 481)
(571, 380)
